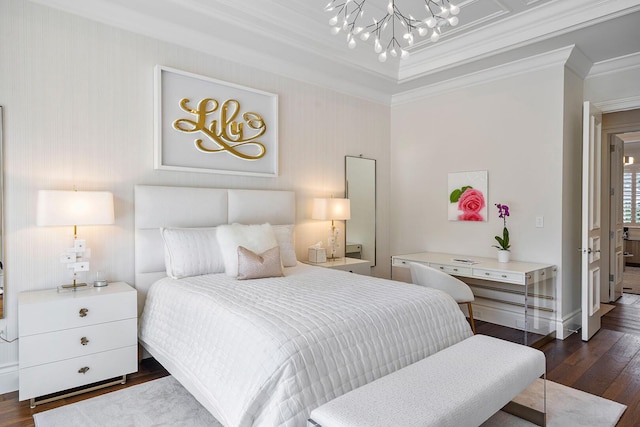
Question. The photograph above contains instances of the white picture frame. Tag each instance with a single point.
(207, 125)
(467, 196)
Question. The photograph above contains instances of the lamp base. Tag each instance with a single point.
(73, 287)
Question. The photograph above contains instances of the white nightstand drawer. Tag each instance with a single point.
(75, 309)
(68, 343)
(502, 276)
(53, 377)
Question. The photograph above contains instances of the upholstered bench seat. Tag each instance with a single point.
(462, 385)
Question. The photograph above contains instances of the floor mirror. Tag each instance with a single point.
(360, 176)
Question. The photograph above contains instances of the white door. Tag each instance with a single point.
(591, 227)
(616, 242)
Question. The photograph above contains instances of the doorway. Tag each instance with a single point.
(621, 131)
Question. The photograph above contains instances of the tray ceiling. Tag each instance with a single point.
(292, 37)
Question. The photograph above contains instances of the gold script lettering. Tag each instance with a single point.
(226, 132)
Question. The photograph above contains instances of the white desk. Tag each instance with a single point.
(500, 287)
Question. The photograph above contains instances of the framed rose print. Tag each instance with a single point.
(468, 196)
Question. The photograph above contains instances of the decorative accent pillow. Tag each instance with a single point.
(191, 252)
(255, 237)
(285, 237)
(254, 266)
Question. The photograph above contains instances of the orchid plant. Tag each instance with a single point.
(503, 242)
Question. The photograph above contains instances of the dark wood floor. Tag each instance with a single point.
(608, 366)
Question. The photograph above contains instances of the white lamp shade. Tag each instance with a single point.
(74, 208)
(331, 209)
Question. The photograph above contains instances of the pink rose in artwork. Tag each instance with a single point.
(471, 203)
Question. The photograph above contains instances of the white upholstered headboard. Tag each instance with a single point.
(162, 206)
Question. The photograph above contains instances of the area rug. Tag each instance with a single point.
(164, 402)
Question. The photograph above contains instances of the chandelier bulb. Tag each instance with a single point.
(404, 54)
(454, 9)
(390, 7)
(431, 22)
(422, 31)
(382, 57)
(435, 36)
(357, 30)
(352, 43)
(365, 36)
(393, 52)
(333, 21)
(444, 12)
(335, 30)
(453, 21)
(377, 46)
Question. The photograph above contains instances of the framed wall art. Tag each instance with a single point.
(467, 193)
(207, 125)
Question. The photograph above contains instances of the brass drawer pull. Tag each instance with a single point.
(84, 341)
(83, 312)
(83, 370)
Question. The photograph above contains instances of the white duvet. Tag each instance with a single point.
(266, 352)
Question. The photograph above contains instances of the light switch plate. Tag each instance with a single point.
(539, 221)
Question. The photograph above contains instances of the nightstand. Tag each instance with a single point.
(352, 265)
(75, 338)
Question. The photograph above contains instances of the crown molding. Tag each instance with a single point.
(579, 63)
(537, 24)
(301, 64)
(554, 58)
(615, 65)
(616, 105)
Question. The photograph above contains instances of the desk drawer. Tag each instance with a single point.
(399, 262)
(454, 270)
(500, 276)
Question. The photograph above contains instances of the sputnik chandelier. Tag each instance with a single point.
(349, 15)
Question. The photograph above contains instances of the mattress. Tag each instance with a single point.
(267, 352)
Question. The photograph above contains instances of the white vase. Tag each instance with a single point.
(503, 255)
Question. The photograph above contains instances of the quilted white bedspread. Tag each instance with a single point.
(267, 352)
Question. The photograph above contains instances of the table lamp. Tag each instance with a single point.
(66, 208)
(334, 210)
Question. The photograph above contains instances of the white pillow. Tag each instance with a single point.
(191, 252)
(256, 238)
(284, 235)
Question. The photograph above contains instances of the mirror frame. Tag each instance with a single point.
(354, 208)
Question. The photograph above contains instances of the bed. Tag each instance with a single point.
(267, 351)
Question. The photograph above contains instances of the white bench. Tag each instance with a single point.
(462, 385)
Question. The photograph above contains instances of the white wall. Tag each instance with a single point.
(78, 100)
(511, 127)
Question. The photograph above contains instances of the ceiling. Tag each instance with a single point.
(292, 37)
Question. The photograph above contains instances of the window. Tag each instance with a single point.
(631, 196)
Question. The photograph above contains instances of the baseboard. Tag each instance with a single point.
(571, 324)
(499, 314)
(8, 378)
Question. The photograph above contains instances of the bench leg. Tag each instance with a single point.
(534, 416)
